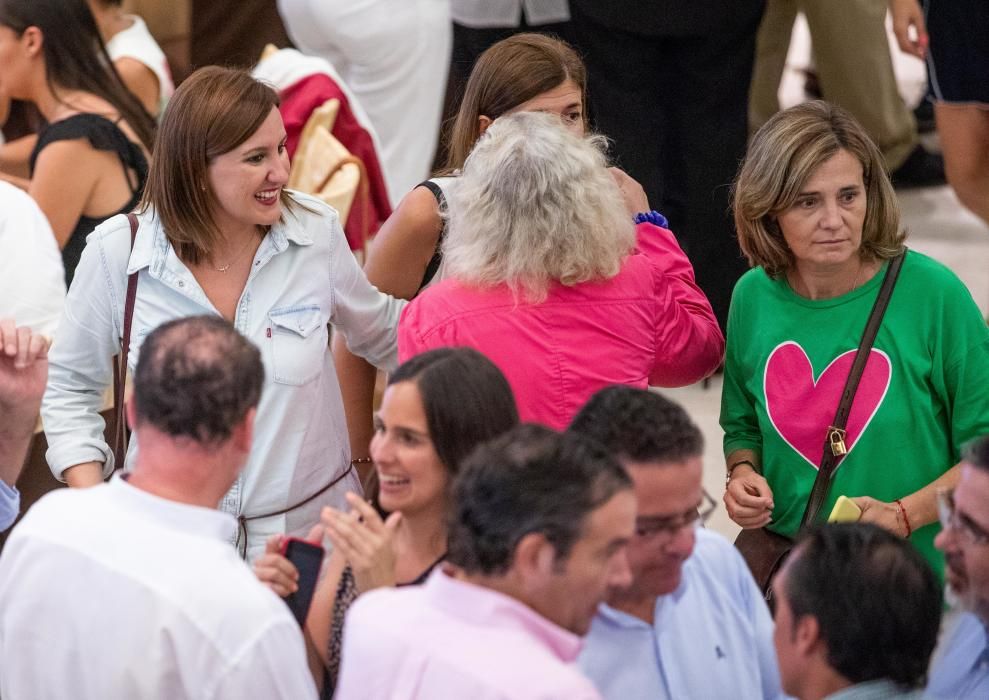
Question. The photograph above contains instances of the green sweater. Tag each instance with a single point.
(924, 392)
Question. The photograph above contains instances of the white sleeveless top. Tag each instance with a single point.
(136, 42)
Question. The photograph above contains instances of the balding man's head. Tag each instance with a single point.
(197, 378)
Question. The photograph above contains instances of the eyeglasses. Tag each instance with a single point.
(667, 528)
(951, 519)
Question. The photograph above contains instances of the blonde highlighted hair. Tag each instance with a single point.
(782, 156)
(535, 205)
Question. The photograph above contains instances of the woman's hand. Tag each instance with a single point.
(885, 515)
(908, 14)
(275, 570)
(635, 197)
(748, 498)
(365, 540)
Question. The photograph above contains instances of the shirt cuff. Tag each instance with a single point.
(10, 505)
(61, 458)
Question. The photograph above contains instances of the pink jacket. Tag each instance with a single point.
(649, 325)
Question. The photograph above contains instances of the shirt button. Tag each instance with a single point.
(181, 283)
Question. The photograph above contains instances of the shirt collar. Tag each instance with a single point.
(618, 618)
(152, 249)
(182, 517)
(882, 689)
(491, 608)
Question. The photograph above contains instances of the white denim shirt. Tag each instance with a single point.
(304, 276)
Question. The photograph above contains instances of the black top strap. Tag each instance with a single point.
(433, 266)
(103, 135)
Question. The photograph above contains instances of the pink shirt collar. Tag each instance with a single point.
(484, 606)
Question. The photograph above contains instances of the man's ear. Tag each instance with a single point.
(807, 635)
(483, 123)
(130, 412)
(534, 558)
(243, 434)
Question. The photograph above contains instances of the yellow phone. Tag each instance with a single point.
(844, 511)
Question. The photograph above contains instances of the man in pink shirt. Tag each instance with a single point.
(539, 526)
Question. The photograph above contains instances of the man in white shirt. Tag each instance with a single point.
(131, 589)
(32, 281)
(692, 624)
(23, 371)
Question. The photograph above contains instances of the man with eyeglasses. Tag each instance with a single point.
(692, 624)
(961, 666)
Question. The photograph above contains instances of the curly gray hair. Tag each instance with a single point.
(536, 204)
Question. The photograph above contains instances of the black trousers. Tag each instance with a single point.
(676, 108)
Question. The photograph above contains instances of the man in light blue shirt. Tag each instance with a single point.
(23, 371)
(692, 624)
(961, 668)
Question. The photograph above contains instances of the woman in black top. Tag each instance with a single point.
(90, 161)
(437, 408)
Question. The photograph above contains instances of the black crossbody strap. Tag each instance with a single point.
(829, 460)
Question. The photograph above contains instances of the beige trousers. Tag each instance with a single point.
(851, 54)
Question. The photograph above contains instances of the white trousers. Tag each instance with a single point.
(394, 56)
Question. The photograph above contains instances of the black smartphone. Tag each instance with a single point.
(307, 558)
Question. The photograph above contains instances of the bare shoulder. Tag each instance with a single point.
(416, 219)
(401, 250)
(140, 80)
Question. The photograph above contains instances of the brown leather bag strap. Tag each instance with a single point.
(829, 460)
(120, 365)
(242, 519)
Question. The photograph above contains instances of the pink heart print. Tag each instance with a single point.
(801, 407)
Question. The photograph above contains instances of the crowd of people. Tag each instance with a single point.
(511, 511)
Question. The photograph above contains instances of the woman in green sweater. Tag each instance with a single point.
(818, 220)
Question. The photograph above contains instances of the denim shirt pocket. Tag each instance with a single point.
(298, 343)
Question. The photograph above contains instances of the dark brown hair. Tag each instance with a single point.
(75, 56)
(512, 72)
(214, 111)
(466, 399)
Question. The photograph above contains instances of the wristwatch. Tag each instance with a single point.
(732, 466)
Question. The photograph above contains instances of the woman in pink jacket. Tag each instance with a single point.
(549, 277)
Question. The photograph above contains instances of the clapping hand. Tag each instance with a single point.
(367, 542)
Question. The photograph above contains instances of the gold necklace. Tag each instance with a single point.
(224, 268)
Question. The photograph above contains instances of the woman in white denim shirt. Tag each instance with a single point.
(218, 234)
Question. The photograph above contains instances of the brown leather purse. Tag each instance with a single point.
(120, 432)
(764, 550)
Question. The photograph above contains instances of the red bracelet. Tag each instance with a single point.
(903, 512)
